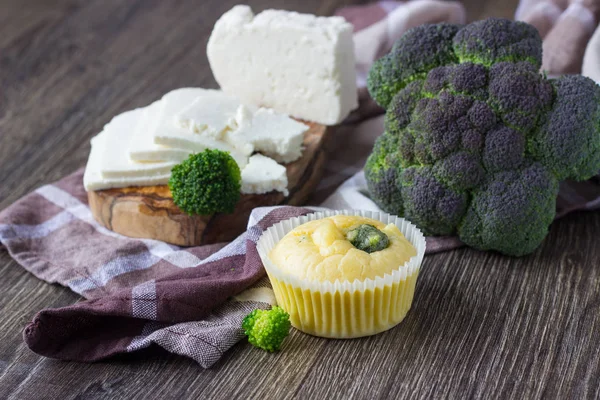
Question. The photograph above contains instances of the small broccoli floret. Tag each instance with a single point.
(413, 55)
(206, 183)
(520, 95)
(438, 124)
(368, 238)
(512, 212)
(504, 149)
(569, 142)
(476, 143)
(460, 171)
(495, 39)
(382, 171)
(266, 329)
(431, 205)
(469, 79)
(402, 106)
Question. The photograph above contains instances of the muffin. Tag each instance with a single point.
(343, 274)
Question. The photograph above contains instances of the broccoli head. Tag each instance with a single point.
(206, 183)
(476, 140)
(266, 329)
(368, 238)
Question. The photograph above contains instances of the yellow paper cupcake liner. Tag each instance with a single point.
(344, 309)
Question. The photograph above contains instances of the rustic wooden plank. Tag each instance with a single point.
(482, 325)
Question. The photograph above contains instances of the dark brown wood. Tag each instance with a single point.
(149, 211)
(482, 325)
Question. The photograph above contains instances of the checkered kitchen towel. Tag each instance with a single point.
(566, 26)
(138, 291)
(189, 301)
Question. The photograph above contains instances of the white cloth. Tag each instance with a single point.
(591, 59)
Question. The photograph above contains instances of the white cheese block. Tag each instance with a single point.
(263, 175)
(142, 147)
(296, 64)
(275, 135)
(94, 180)
(114, 157)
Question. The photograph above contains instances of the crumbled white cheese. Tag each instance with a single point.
(173, 103)
(170, 134)
(248, 129)
(209, 114)
(158, 137)
(140, 147)
(263, 175)
(275, 135)
(297, 64)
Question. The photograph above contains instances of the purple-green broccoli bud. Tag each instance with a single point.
(460, 171)
(569, 141)
(206, 183)
(419, 50)
(469, 79)
(382, 171)
(266, 329)
(493, 40)
(519, 95)
(438, 124)
(368, 238)
(430, 204)
(477, 146)
(402, 106)
(512, 211)
(504, 149)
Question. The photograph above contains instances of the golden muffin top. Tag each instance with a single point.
(323, 249)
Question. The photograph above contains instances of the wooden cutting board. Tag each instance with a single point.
(149, 211)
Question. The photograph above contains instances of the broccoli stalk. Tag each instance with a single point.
(206, 183)
(476, 140)
(368, 238)
(266, 329)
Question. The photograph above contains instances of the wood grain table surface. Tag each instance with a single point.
(482, 325)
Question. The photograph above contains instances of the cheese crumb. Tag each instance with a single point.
(275, 135)
(263, 175)
(209, 115)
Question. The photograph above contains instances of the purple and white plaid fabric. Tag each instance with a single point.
(191, 301)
